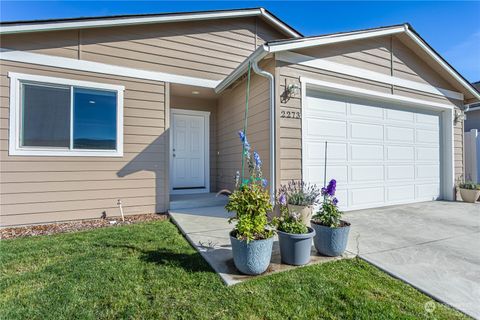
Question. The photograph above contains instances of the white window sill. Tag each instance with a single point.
(66, 153)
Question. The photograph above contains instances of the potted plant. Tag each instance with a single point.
(252, 237)
(301, 197)
(331, 232)
(294, 236)
(469, 191)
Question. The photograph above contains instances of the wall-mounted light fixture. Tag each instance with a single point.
(459, 116)
(292, 90)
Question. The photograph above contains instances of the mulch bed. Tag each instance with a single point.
(63, 227)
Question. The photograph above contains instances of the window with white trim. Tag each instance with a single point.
(61, 117)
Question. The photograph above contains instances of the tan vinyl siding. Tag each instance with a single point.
(49, 189)
(370, 54)
(230, 119)
(459, 159)
(205, 49)
(209, 105)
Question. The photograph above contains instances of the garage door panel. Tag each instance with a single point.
(427, 136)
(428, 119)
(365, 131)
(400, 116)
(427, 154)
(315, 151)
(399, 134)
(361, 174)
(322, 128)
(324, 107)
(371, 152)
(405, 193)
(380, 154)
(366, 196)
(427, 191)
(427, 171)
(400, 172)
(400, 153)
(316, 174)
(360, 110)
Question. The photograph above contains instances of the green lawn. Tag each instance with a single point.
(148, 271)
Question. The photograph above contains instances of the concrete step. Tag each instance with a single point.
(189, 201)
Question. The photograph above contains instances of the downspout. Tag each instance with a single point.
(271, 79)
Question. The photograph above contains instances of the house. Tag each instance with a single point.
(472, 120)
(143, 107)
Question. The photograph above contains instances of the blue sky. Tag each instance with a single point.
(451, 28)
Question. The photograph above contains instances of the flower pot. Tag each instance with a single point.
(331, 241)
(469, 195)
(295, 248)
(305, 212)
(252, 258)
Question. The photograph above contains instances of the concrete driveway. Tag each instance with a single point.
(434, 246)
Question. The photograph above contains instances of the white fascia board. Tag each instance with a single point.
(96, 67)
(371, 94)
(257, 55)
(442, 63)
(296, 58)
(99, 23)
(312, 42)
(279, 24)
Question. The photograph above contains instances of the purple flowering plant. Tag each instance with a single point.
(300, 193)
(288, 222)
(329, 215)
(251, 200)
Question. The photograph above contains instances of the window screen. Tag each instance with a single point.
(45, 116)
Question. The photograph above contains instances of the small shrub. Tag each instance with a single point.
(288, 222)
(469, 185)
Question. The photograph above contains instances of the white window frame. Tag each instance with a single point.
(15, 149)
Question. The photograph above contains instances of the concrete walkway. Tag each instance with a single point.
(207, 229)
(434, 246)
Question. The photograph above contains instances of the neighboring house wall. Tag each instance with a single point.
(204, 49)
(209, 105)
(48, 189)
(370, 54)
(230, 120)
(473, 120)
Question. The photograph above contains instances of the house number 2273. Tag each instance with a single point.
(290, 114)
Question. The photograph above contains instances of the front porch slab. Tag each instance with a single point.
(207, 229)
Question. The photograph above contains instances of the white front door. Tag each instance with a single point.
(381, 154)
(189, 150)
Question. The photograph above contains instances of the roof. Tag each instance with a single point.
(136, 19)
(313, 41)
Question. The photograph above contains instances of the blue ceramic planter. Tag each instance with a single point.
(295, 248)
(252, 258)
(331, 241)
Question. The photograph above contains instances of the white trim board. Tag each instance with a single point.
(277, 46)
(359, 92)
(447, 165)
(206, 115)
(14, 148)
(97, 67)
(296, 58)
(161, 18)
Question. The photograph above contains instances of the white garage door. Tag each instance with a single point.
(380, 154)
